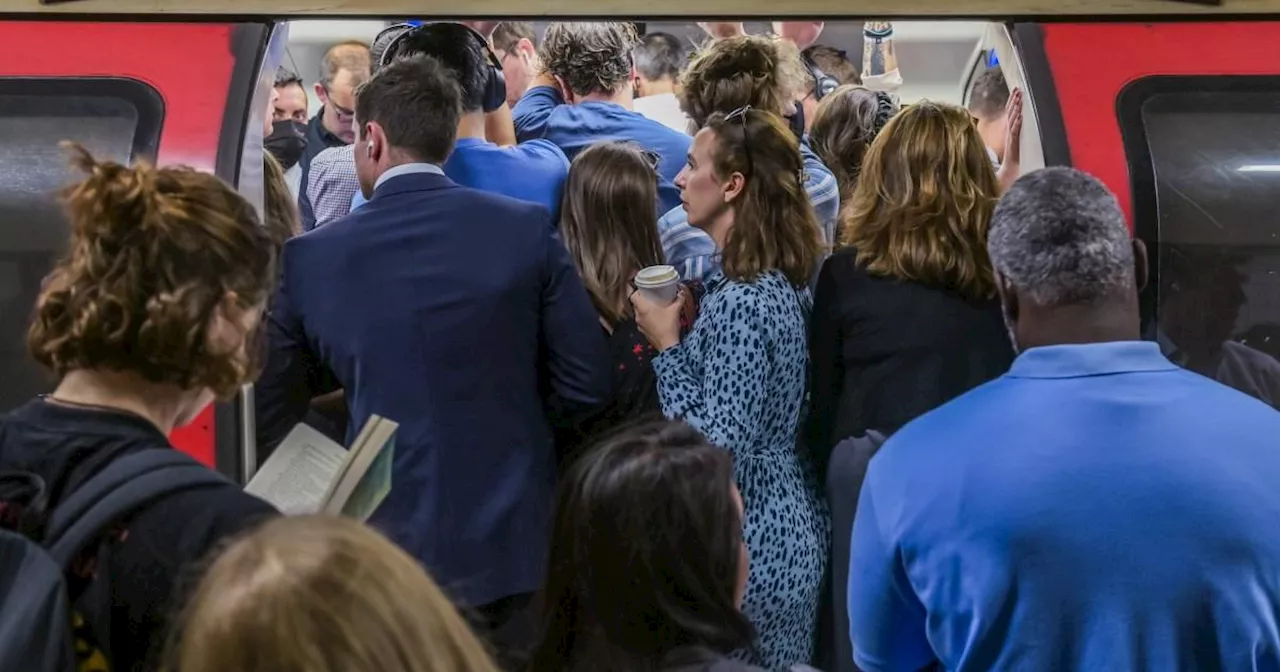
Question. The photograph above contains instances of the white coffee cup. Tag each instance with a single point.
(660, 283)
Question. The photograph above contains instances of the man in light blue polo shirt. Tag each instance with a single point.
(533, 171)
(1097, 508)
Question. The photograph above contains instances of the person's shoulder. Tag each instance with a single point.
(186, 525)
(540, 149)
(333, 155)
(972, 416)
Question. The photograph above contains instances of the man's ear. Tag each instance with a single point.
(1141, 265)
(1007, 296)
(322, 94)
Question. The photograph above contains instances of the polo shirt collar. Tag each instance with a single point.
(1092, 359)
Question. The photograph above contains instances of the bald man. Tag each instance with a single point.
(344, 67)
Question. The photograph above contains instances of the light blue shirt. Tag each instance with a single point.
(1096, 508)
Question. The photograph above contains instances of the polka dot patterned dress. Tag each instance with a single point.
(739, 377)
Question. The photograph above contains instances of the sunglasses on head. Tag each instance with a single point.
(740, 115)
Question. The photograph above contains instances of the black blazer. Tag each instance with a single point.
(884, 351)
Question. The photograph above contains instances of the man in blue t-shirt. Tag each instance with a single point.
(532, 171)
(585, 94)
(1096, 508)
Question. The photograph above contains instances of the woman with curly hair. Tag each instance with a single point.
(149, 317)
(846, 122)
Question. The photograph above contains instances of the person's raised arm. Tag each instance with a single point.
(719, 30)
(534, 109)
(879, 59)
(499, 127)
(803, 33)
(1011, 166)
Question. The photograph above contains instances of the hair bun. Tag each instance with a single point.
(113, 199)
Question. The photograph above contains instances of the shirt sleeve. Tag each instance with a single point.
(727, 401)
(577, 354)
(824, 192)
(533, 111)
(292, 374)
(690, 250)
(886, 620)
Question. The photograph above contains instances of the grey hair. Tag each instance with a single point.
(1059, 236)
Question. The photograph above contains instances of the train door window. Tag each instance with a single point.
(1204, 160)
(116, 119)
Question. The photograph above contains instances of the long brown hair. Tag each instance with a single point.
(280, 209)
(774, 225)
(321, 594)
(923, 203)
(153, 254)
(607, 220)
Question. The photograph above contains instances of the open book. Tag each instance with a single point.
(308, 473)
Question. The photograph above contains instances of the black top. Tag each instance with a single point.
(885, 351)
(137, 583)
(635, 393)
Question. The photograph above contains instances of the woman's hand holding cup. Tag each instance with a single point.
(658, 301)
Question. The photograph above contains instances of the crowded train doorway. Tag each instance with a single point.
(184, 81)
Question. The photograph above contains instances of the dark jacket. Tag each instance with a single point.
(459, 315)
(144, 574)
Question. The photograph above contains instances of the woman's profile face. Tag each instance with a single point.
(702, 195)
(744, 557)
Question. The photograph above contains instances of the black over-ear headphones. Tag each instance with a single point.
(823, 84)
(495, 84)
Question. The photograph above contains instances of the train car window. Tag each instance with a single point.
(1204, 160)
(113, 118)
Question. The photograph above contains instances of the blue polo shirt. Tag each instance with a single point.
(1096, 508)
(542, 113)
(533, 171)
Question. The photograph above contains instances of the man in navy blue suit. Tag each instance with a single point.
(456, 313)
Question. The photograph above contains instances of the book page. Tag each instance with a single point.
(298, 474)
(374, 487)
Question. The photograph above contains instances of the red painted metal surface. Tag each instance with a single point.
(1092, 63)
(190, 65)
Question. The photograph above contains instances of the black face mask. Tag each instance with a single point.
(287, 142)
(796, 121)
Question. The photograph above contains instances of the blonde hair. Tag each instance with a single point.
(923, 202)
(321, 594)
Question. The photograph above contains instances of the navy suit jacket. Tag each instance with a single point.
(459, 315)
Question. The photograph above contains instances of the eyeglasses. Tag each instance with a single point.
(343, 112)
(740, 114)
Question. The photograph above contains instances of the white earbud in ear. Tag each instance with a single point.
(368, 148)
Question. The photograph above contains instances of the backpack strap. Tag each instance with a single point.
(125, 485)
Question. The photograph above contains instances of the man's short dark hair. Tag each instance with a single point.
(417, 102)
(990, 94)
(509, 33)
(833, 63)
(286, 77)
(456, 47)
(591, 57)
(660, 56)
(352, 56)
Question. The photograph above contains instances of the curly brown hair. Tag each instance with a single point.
(153, 254)
(591, 57)
(754, 70)
(923, 204)
(774, 225)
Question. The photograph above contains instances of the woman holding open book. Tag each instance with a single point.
(148, 318)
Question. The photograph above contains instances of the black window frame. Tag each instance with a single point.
(144, 98)
(1144, 204)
